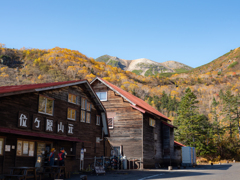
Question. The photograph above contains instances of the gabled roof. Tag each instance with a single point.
(135, 101)
(20, 89)
(179, 144)
(37, 87)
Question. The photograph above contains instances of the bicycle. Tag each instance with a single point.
(109, 163)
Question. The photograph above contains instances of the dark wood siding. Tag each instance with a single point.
(10, 106)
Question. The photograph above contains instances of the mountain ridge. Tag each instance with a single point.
(143, 66)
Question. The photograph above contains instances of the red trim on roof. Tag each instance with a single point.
(179, 144)
(171, 126)
(139, 102)
(138, 108)
(16, 88)
(36, 134)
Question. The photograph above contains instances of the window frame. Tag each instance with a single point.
(71, 113)
(86, 120)
(22, 142)
(100, 95)
(84, 116)
(3, 145)
(98, 120)
(85, 103)
(112, 123)
(90, 106)
(151, 120)
(46, 105)
(71, 98)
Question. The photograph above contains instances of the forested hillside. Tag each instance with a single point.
(208, 83)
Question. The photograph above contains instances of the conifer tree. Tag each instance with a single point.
(231, 111)
(192, 127)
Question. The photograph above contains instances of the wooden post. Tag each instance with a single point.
(140, 163)
(94, 161)
(129, 163)
(118, 163)
(103, 161)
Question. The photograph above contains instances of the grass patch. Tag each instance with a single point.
(138, 72)
(166, 74)
(149, 72)
(181, 70)
(233, 64)
(113, 63)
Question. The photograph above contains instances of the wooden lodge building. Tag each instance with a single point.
(35, 118)
(137, 129)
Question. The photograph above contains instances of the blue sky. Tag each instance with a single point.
(193, 32)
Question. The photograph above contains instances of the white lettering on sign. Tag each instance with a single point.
(38, 122)
(23, 120)
(70, 128)
(49, 126)
(60, 127)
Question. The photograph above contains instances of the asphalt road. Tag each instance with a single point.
(206, 172)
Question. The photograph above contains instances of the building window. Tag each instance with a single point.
(72, 98)
(83, 103)
(88, 118)
(88, 106)
(25, 148)
(98, 120)
(45, 105)
(71, 114)
(1, 146)
(83, 116)
(110, 123)
(102, 96)
(151, 122)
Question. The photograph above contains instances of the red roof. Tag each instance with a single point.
(139, 102)
(19, 88)
(179, 144)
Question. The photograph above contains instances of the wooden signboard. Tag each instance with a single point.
(23, 120)
(99, 170)
(37, 123)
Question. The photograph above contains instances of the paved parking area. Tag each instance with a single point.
(206, 172)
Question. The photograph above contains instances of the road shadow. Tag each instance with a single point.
(211, 167)
(141, 175)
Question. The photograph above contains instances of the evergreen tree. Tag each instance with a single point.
(192, 127)
(231, 111)
(215, 123)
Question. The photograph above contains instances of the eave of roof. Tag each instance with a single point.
(171, 126)
(179, 144)
(37, 87)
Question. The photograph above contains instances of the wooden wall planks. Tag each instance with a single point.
(11, 105)
(127, 131)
